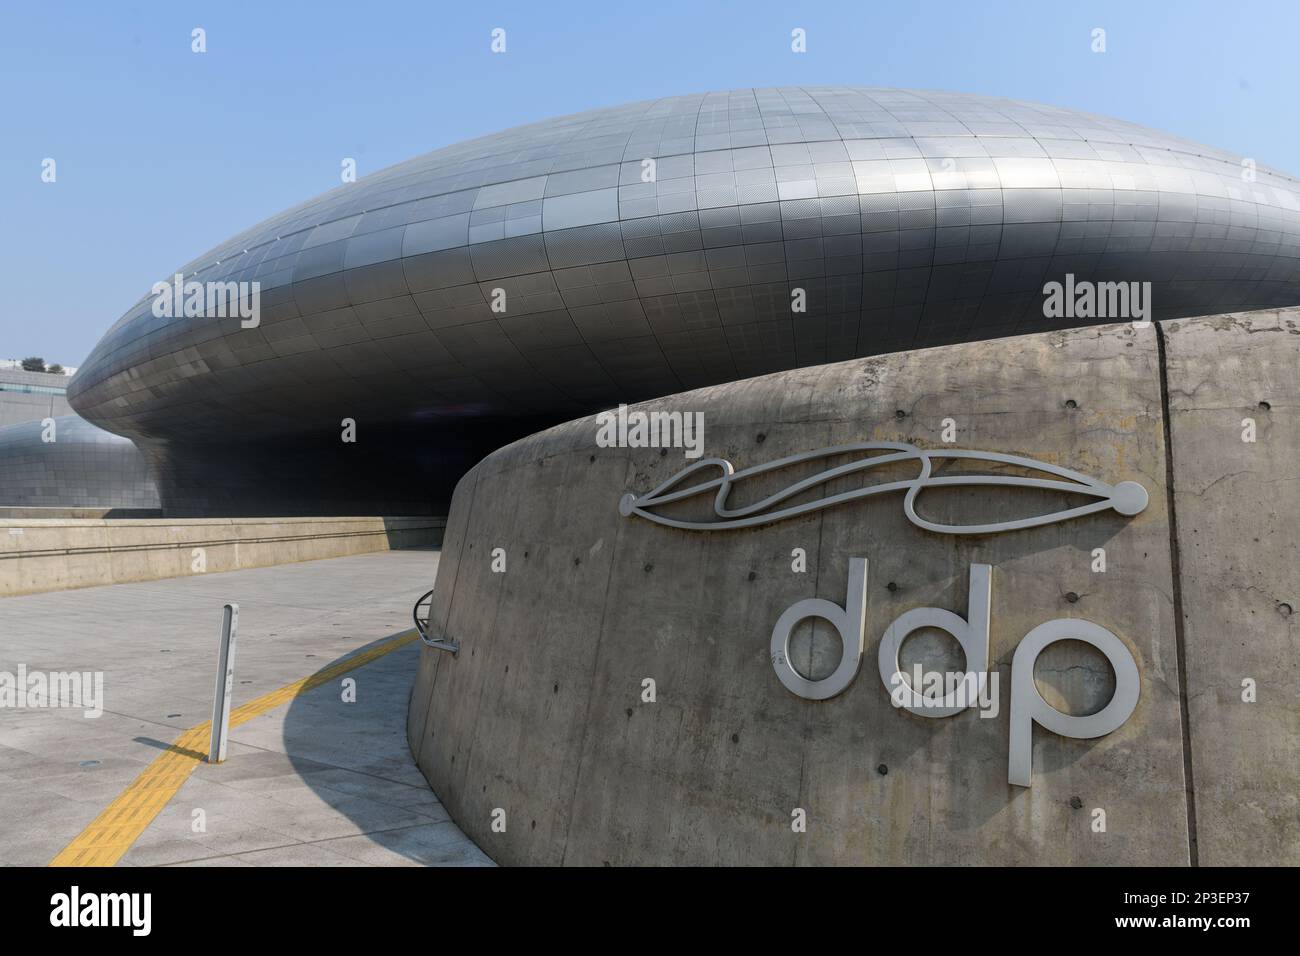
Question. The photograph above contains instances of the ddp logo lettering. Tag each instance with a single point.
(1027, 704)
(972, 632)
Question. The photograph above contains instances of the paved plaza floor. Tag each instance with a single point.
(319, 780)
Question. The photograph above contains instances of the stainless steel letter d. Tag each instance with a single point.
(849, 620)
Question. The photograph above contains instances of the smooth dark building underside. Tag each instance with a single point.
(647, 249)
(388, 470)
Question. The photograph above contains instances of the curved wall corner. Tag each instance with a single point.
(542, 716)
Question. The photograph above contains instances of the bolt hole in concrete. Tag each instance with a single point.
(1071, 403)
(1074, 677)
(1265, 406)
(1284, 609)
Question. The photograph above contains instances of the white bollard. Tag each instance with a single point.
(225, 684)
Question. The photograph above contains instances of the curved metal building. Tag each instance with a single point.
(470, 295)
(82, 467)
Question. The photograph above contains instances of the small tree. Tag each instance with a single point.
(55, 369)
(33, 364)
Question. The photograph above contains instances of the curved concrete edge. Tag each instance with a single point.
(541, 715)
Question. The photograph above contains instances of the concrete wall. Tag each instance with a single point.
(51, 554)
(1239, 550)
(541, 714)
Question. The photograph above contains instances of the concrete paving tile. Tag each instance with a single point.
(164, 852)
(353, 816)
(304, 796)
(35, 852)
(351, 781)
(300, 854)
(216, 861)
(83, 787)
(428, 845)
(227, 841)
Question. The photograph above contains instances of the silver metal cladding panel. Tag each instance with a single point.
(910, 218)
(83, 467)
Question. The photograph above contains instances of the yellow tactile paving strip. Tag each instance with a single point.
(107, 837)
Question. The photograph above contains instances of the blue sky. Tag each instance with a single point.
(162, 153)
